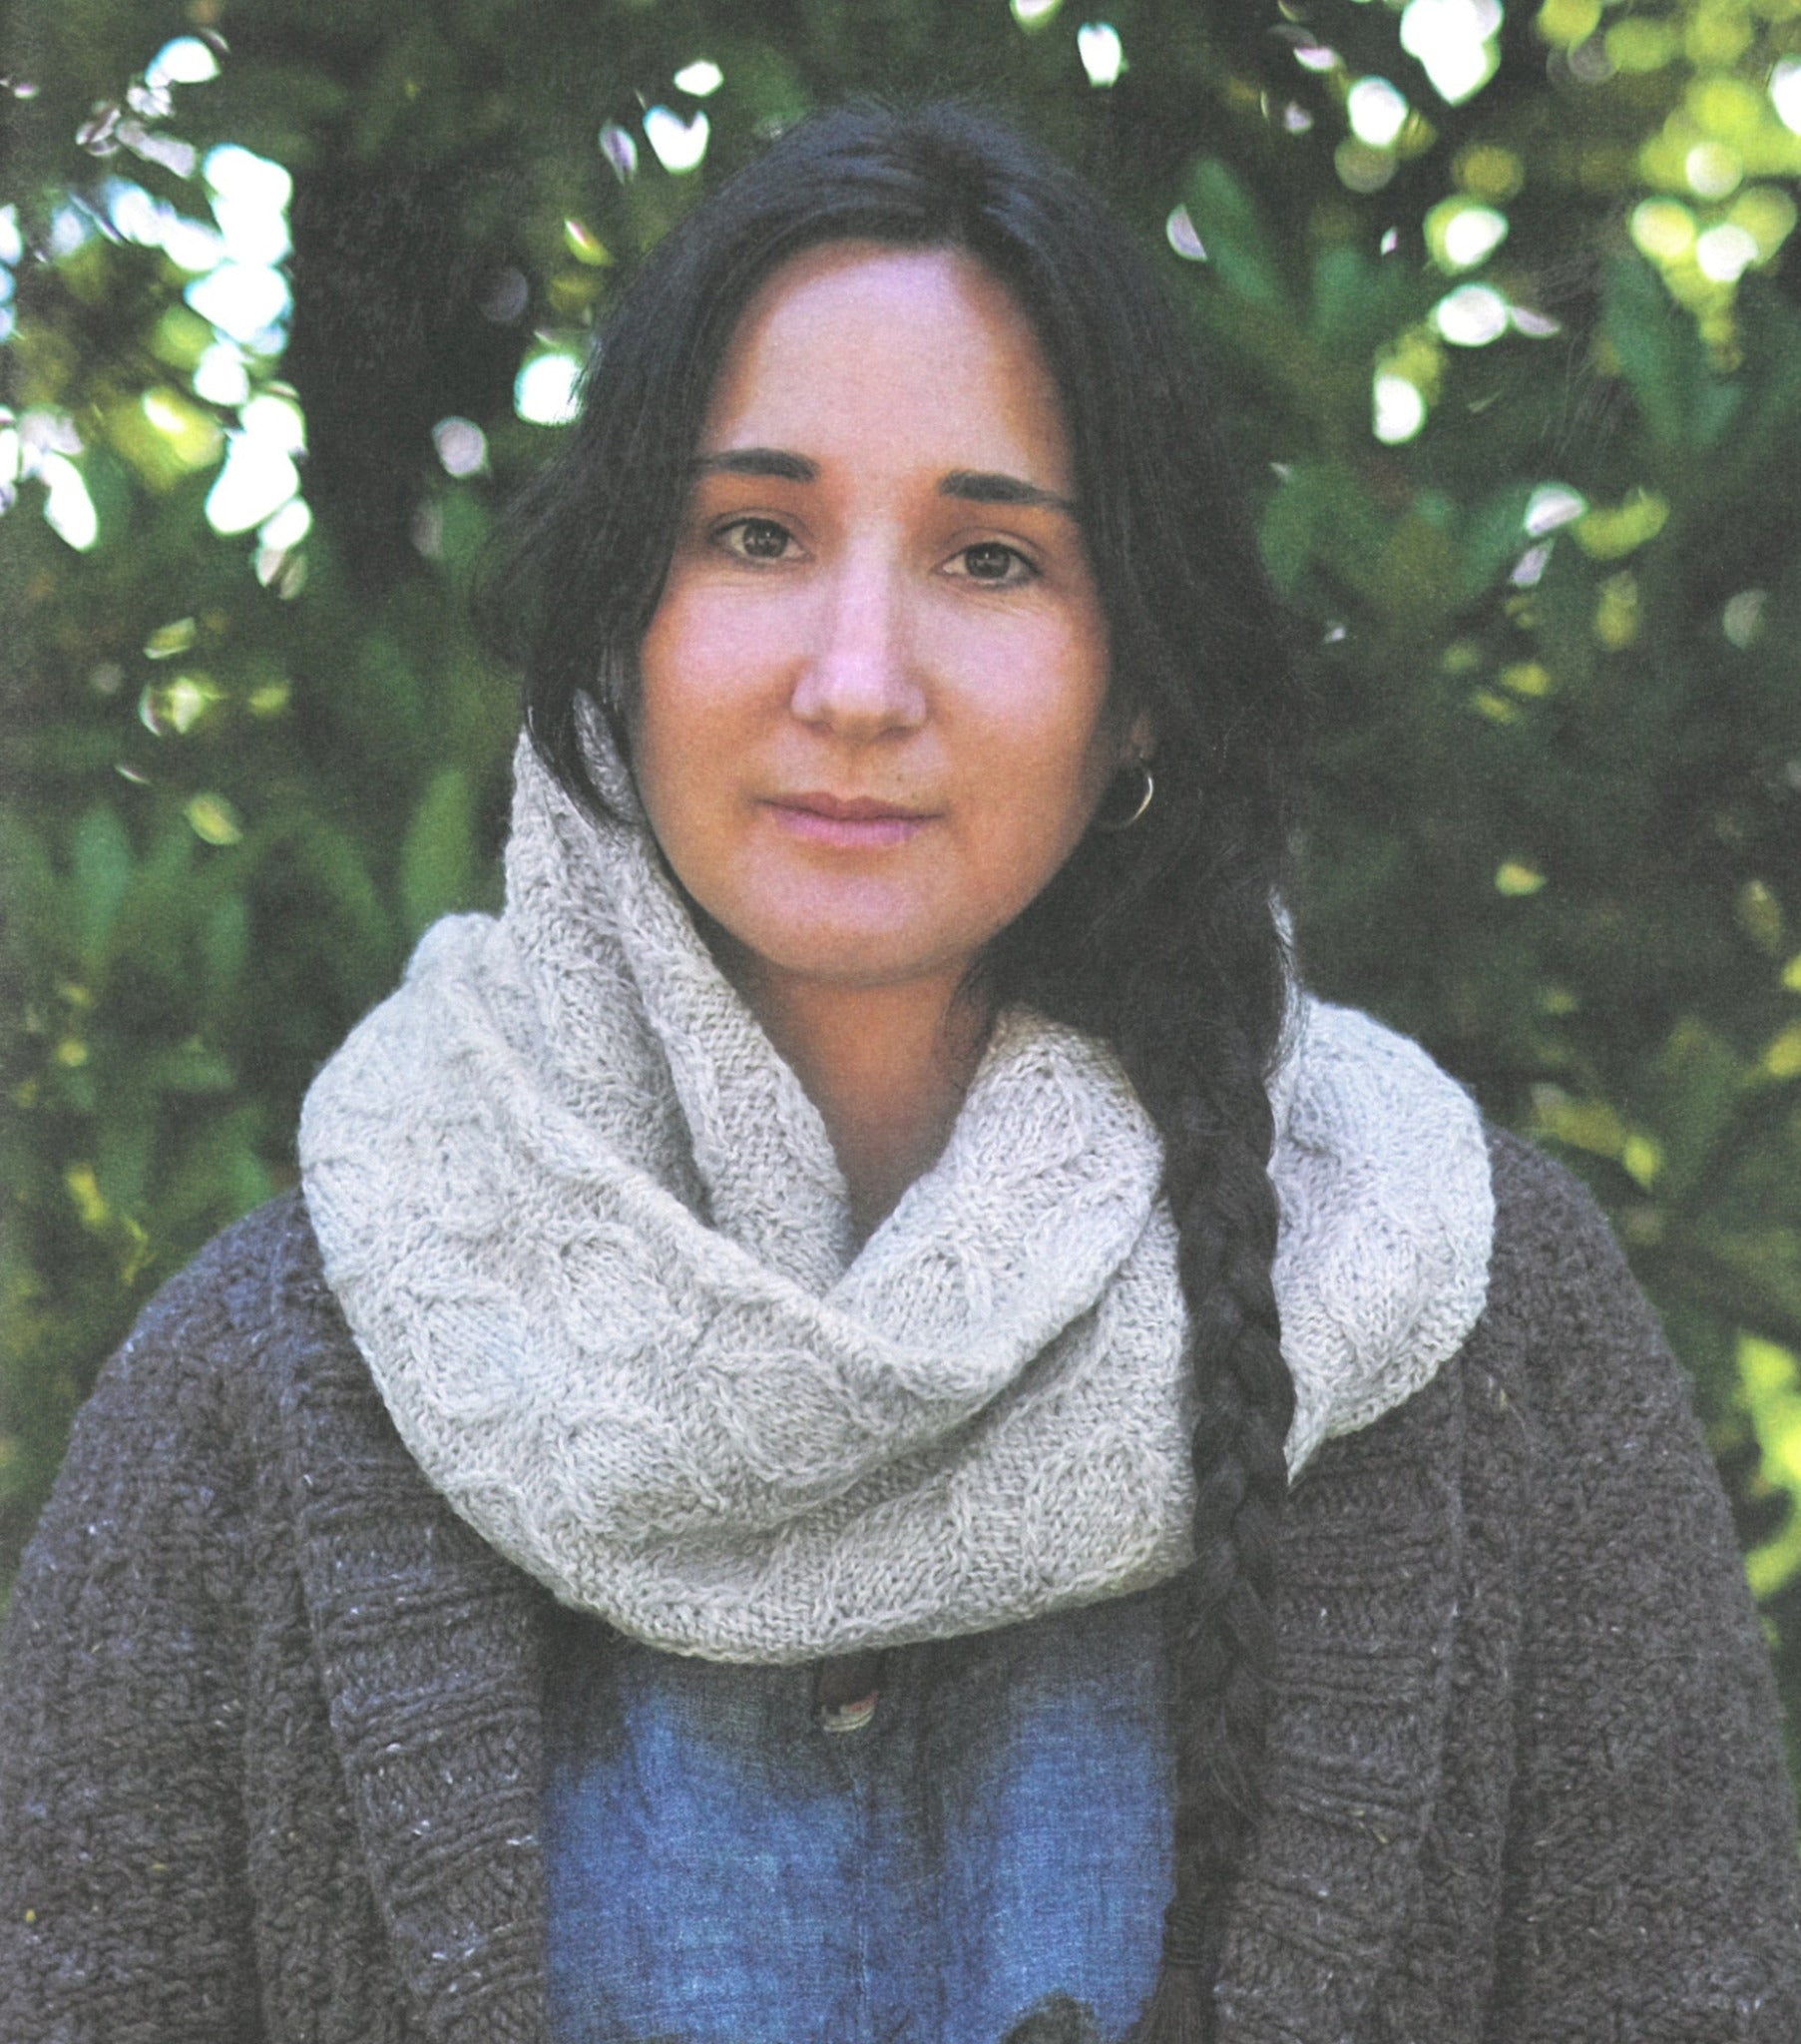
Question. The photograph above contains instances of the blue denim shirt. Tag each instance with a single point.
(725, 1869)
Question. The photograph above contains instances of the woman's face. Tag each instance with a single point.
(871, 721)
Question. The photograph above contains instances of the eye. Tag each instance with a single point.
(992, 562)
(755, 539)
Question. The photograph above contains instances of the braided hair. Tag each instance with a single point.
(1164, 940)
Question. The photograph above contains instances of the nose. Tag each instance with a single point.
(860, 678)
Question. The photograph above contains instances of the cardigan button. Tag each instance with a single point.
(846, 1692)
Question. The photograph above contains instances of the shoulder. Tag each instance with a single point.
(228, 1286)
(1549, 1232)
(1571, 1380)
(167, 1443)
(189, 1350)
(1563, 1301)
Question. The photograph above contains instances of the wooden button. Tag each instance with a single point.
(846, 1692)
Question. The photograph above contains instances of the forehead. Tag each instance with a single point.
(915, 354)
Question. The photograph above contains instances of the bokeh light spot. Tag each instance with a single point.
(1535, 325)
(544, 391)
(174, 706)
(1767, 216)
(1486, 171)
(585, 245)
(1516, 878)
(1473, 316)
(703, 78)
(214, 820)
(1529, 570)
(1567, 22)
(1663, 229)
(193, 436)
(1377, 112)
(678, 145)
(1462, 233)
(245, 301)
(1609, 535)
(1617, 611)
(68, 509)
(1400, 409)
(1712, 170)
(185, 61)
(1785, 93)
(1103, 54)
(1741, 621)
(220, 375)
(1551, 506)
(1179, 228)
(1724, 253)
(1474, 236)
(620, 149)
(277, 420)
(1361, 167)
(1528, 678)
(169, 640)
(251, 195)
(258, 478)
(1640, 44)
(462, 446)
(1454, 44)
(288, 527)
(69, 228)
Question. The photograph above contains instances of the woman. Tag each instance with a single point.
(869, 1425)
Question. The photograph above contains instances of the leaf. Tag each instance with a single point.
(437, 861)
(102, 876)
(1662, 357)
(1697, 1082)
(1493, 538)
(224, 948)
(1236, 242)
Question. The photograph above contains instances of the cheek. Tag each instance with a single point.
(1048, 748)
(686, 703)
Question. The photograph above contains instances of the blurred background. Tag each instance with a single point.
(1503, 301)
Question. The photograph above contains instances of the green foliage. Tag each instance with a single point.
(1512, 355)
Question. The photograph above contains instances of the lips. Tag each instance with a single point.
(861, 809)
(850, 823)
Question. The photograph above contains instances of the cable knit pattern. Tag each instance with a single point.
(272, 1734)
(591, 1235)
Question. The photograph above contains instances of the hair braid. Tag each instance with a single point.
(1194, 1005)
(1225, 1213)
(1196, 1021)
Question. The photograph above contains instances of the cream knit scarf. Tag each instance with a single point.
(589, 1235)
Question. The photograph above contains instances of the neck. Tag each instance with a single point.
(886, 1066)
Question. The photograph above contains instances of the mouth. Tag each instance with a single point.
(851, 823)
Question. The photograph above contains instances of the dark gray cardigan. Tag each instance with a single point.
(271, 1746)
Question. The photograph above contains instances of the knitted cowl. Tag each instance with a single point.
(589, 1235)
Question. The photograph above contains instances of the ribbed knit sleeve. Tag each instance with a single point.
(124, 1904)
(1650, 1894)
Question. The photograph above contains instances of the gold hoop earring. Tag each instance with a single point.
(1124, 823)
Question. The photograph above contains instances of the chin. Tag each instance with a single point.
(852, 957)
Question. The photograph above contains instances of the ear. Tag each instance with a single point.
(1139, 742)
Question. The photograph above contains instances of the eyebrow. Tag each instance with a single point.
(772, 461)
(977, 486)
(969, 485)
